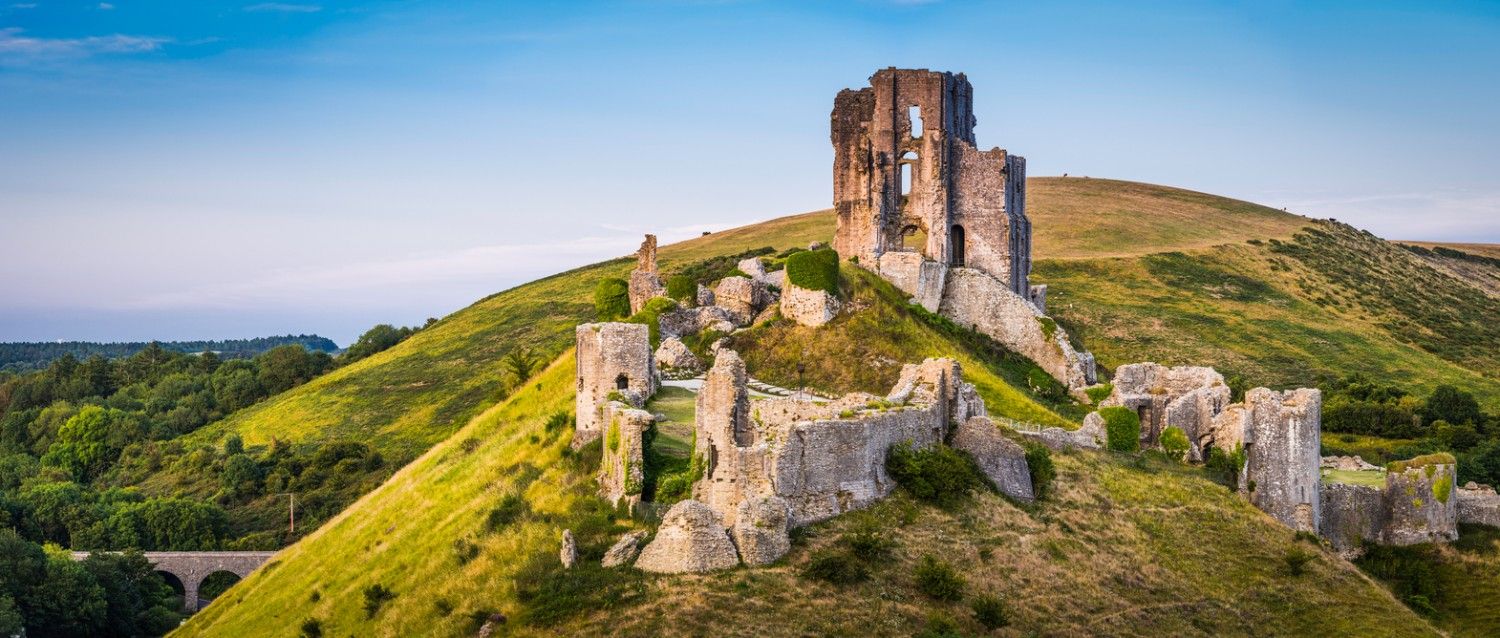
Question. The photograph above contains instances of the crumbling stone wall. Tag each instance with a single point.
(1002, 460)
(1184, 397)
(612, 358)
(1421, 505)
(1352, 515)
(975, 299)
(1282, 464)
(808, 307)
(1478, 505)
(622, 471)
(821, 460)
(645, 282)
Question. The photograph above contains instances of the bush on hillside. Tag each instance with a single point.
(1225, 466)
(682, 288)
(1099, 392)
(990, 611)
(1174, 442)
(814, 270)
(938, 579)
(1039, 464)
(611, 299)
(836, 566)
(650, 315)
(938, 474)
(1123, 428)
(376, 596)
(1453, 405)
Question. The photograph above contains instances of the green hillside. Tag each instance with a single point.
(1135, 273)
(1122, 548)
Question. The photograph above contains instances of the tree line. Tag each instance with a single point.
(35, 355)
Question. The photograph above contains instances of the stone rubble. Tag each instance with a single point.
(624, 550)
(689, 540)
(569, 551)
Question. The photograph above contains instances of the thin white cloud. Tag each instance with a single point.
(14, 43)
(1446, 215)
(23, 5)
(284, 7)
(105, 6)
(498, 266)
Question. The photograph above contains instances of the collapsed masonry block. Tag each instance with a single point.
(744, 298)
(1421, 505)
(808, 307)
(975, 299)
(689, 540)
(760, 531)
(1184, 397)
(676, 361)
(624, 550)
(1002, 460)
(614, 360)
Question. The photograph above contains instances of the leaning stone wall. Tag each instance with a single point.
(973, 298)
(1283, 461)
(608, 355)
(1478, 505)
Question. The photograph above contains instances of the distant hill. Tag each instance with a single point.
(34, 355)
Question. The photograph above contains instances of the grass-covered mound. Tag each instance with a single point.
(864, 348)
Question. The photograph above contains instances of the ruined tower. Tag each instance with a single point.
(915, 196)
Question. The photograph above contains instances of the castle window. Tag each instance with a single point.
(956, 246)
(622, 382)
(914, 239)
(915, 113)
(908, 171)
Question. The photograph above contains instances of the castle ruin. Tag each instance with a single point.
(614, 362)
(920, 204)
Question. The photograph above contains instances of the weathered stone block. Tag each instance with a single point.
(569, 552)
(1002, 460)
(1352, 515)
(760, 531)
(808, 307)
(741, 297)
(624, 550)
(1282, 450)
(676, 361)
(622, 470)
(690, 539)
(1421, 504)
(975, 299)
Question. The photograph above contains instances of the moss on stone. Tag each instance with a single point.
(814, 270)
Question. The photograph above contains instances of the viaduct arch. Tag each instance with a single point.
(192, 567)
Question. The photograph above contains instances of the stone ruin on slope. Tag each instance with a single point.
(645, 282)
(1417, 505)
(920, 204)
(614, 363)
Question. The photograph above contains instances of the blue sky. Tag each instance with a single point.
(219, 169)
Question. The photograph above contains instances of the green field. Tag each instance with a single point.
(1367, 478)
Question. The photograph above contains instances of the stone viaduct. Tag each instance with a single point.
(190, 568)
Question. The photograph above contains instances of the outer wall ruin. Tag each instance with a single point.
(611, 358)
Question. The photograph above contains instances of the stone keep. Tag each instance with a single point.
(909, 178)
(1282, 466)
(920, 204)
(611, 357)
(1421, 505)
(645, 282)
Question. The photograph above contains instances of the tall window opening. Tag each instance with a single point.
(956, 242)
(914, 239)
(915, 113)
(908, 171)
(622, 382)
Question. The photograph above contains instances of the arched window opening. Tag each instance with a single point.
(913, 239)
(956, 248)
(622, 382)
(915, 113)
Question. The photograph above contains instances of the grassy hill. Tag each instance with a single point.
(1137, 272)
(1122, 548)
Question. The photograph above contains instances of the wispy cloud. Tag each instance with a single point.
(23, 5)
(105, 6)
(284, 7)
(14, 43)
(1443, 215)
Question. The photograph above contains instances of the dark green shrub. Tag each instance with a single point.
(939, 580)
(1225, 466)
(867, 541)
(990, 611)
(1296, 560)
(836, 566)
(1174, 442)
(1039, 463)
(311, 628)
(814, 270)
(1123, 428)
(464, 550)
(550, 594)
(611, 299)
(376, 596)
(443, 606)
(682, 288)
(938, 474)
(1410, 572)
(509, 510)
(939, 625)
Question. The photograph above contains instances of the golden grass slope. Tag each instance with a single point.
(1123, 548)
